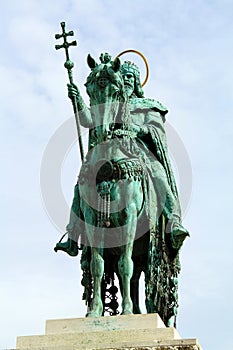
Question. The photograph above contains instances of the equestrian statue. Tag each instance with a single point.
(125, 216)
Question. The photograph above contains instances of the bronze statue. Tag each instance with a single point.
(126, 209)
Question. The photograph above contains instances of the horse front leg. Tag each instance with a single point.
(125, 263)
(95, 239)
(97, 270)
(125, 268)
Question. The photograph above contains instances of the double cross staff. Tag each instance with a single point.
(69, 65)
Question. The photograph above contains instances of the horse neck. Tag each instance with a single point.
(109, 150)
(104, 115)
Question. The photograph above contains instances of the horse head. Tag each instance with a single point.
(105, 87)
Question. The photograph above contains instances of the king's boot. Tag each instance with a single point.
(178, 235)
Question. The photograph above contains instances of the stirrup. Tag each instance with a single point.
(70, 247)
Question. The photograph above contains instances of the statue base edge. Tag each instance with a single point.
(128, 332)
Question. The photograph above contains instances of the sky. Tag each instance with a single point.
(188, 45)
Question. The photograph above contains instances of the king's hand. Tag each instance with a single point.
(73, 91)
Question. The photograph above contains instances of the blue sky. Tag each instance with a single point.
(189, 48)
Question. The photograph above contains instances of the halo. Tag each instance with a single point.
(144, 59)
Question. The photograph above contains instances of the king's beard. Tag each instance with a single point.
(129, 90)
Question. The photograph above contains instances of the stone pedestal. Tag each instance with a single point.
(135, 332)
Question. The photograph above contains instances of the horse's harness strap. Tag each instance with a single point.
(117, 133)
(121, 132)
(127, 169)
(111, 170)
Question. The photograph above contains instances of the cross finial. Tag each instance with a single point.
(68, 64)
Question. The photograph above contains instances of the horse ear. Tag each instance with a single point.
(91, 62)
(116, 64)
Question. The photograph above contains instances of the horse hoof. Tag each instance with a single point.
(127, 308)
(93, 314)
(127, 312)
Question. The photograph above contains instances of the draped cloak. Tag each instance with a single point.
(161, 275)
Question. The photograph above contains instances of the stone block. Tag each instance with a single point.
(128, 332)
(99, 339)
(90, 324)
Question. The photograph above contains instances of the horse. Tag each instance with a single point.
(112, 183)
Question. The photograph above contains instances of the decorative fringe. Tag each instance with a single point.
(103, 210)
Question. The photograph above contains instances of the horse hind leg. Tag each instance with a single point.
(134, 289)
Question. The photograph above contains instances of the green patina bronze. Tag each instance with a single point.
(126, 210)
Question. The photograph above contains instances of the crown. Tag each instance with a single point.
(105, 58)
(128, 66)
